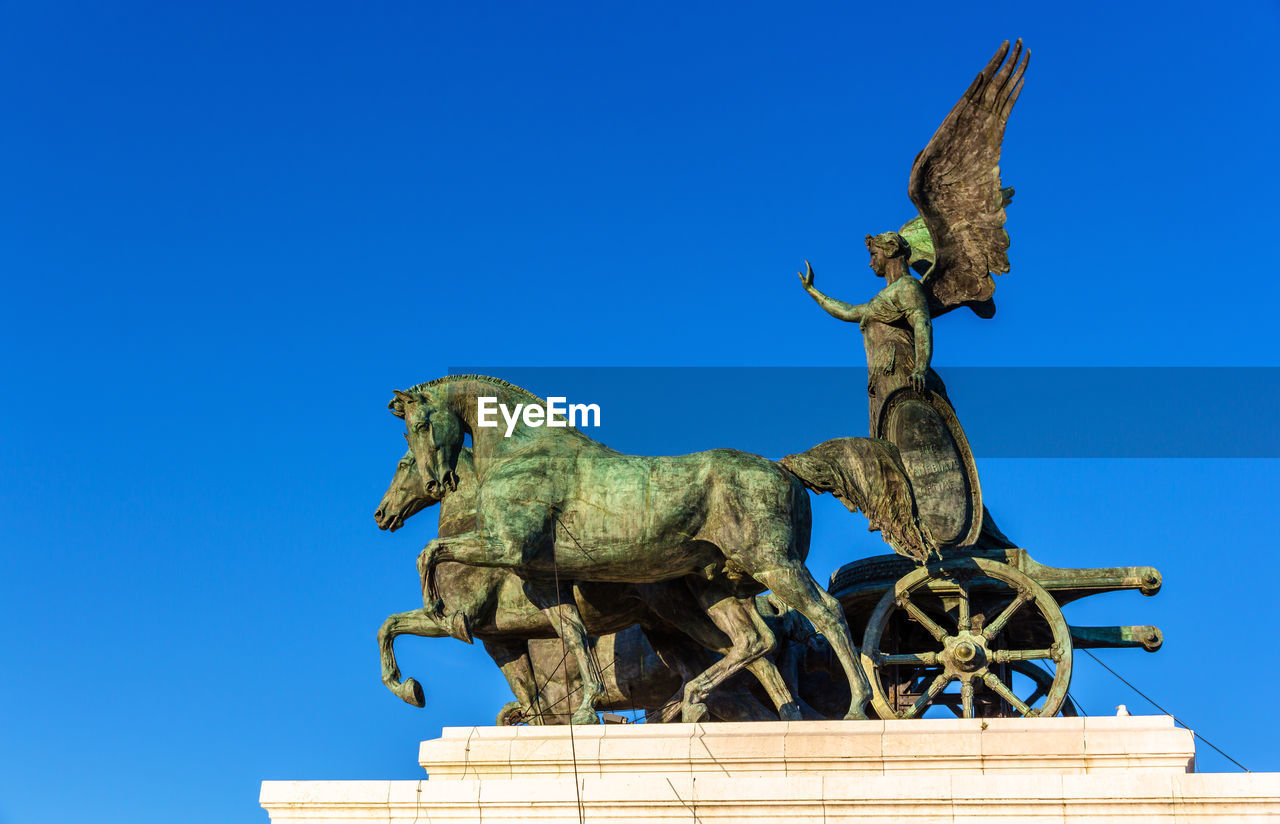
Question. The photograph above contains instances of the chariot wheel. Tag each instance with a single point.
(976, 622)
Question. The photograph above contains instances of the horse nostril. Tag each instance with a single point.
(377, 516)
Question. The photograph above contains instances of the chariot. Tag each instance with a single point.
(986, 617)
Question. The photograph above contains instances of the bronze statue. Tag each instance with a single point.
(549, 537)
(957, 241)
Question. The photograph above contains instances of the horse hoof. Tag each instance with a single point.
(583, 717)
(855, 714)
(510, 714)
(694, 713)
(790, 711)
(411, 692)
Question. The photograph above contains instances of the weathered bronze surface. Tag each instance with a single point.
(505, 612)
(555, 505)
(556, 550)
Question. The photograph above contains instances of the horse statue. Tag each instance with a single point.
(554, 505)
(495, 605)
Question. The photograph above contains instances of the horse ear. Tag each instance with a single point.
(398, 403)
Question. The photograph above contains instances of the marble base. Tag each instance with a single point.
(1136, 768)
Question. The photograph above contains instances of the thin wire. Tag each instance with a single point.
(573, 749)
(568, 693)
(581, 548)
(591, 650)
(1053, 673)
(537, 692)
(1166, 712)
(564, 654)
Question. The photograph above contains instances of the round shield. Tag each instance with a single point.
(937, 458)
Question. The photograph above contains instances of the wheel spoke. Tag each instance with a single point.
(924, 700)
(1004, 656)
(993, 629)
(966, 697)
(997, 686)
(904, 601)
(962, 609)
(923, 659)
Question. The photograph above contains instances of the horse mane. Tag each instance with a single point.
(489, 378)
(519, 390)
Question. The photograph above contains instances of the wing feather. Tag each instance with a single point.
(955, 183)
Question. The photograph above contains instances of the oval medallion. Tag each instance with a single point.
(936, 455)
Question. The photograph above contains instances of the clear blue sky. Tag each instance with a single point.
(231, 229)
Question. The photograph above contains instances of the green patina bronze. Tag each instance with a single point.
(555, 506)
(554, 549)
(506, 613)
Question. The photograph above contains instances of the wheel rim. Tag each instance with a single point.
(971, 608)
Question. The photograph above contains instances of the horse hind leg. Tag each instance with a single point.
(751, 641)
(796, 588)
(765, 669)
(740, 620)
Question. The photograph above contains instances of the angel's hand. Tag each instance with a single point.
(806, 277)
(917, 379)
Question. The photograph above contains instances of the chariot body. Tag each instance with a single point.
(980, 630)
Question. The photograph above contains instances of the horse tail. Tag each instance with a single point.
(867, 474)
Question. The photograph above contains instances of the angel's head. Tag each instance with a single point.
(889, 254)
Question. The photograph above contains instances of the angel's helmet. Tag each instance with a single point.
(884, 247)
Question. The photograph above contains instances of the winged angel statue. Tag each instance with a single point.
(956, 242)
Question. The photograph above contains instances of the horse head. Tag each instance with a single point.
(405, 497)
(435, 434)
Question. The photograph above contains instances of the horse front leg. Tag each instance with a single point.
(417, 622)
(513, 659)
(561, 611)
(469, 548)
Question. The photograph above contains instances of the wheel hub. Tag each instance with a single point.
(964, 653)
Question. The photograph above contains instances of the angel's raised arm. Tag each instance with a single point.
(854, 313)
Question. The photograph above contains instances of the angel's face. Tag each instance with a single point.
(878, 259)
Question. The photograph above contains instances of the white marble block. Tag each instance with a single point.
(1136, 768)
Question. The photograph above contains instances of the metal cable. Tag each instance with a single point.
(1176, 719)
(573, 749)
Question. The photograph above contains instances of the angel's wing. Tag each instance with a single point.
(955, 183)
